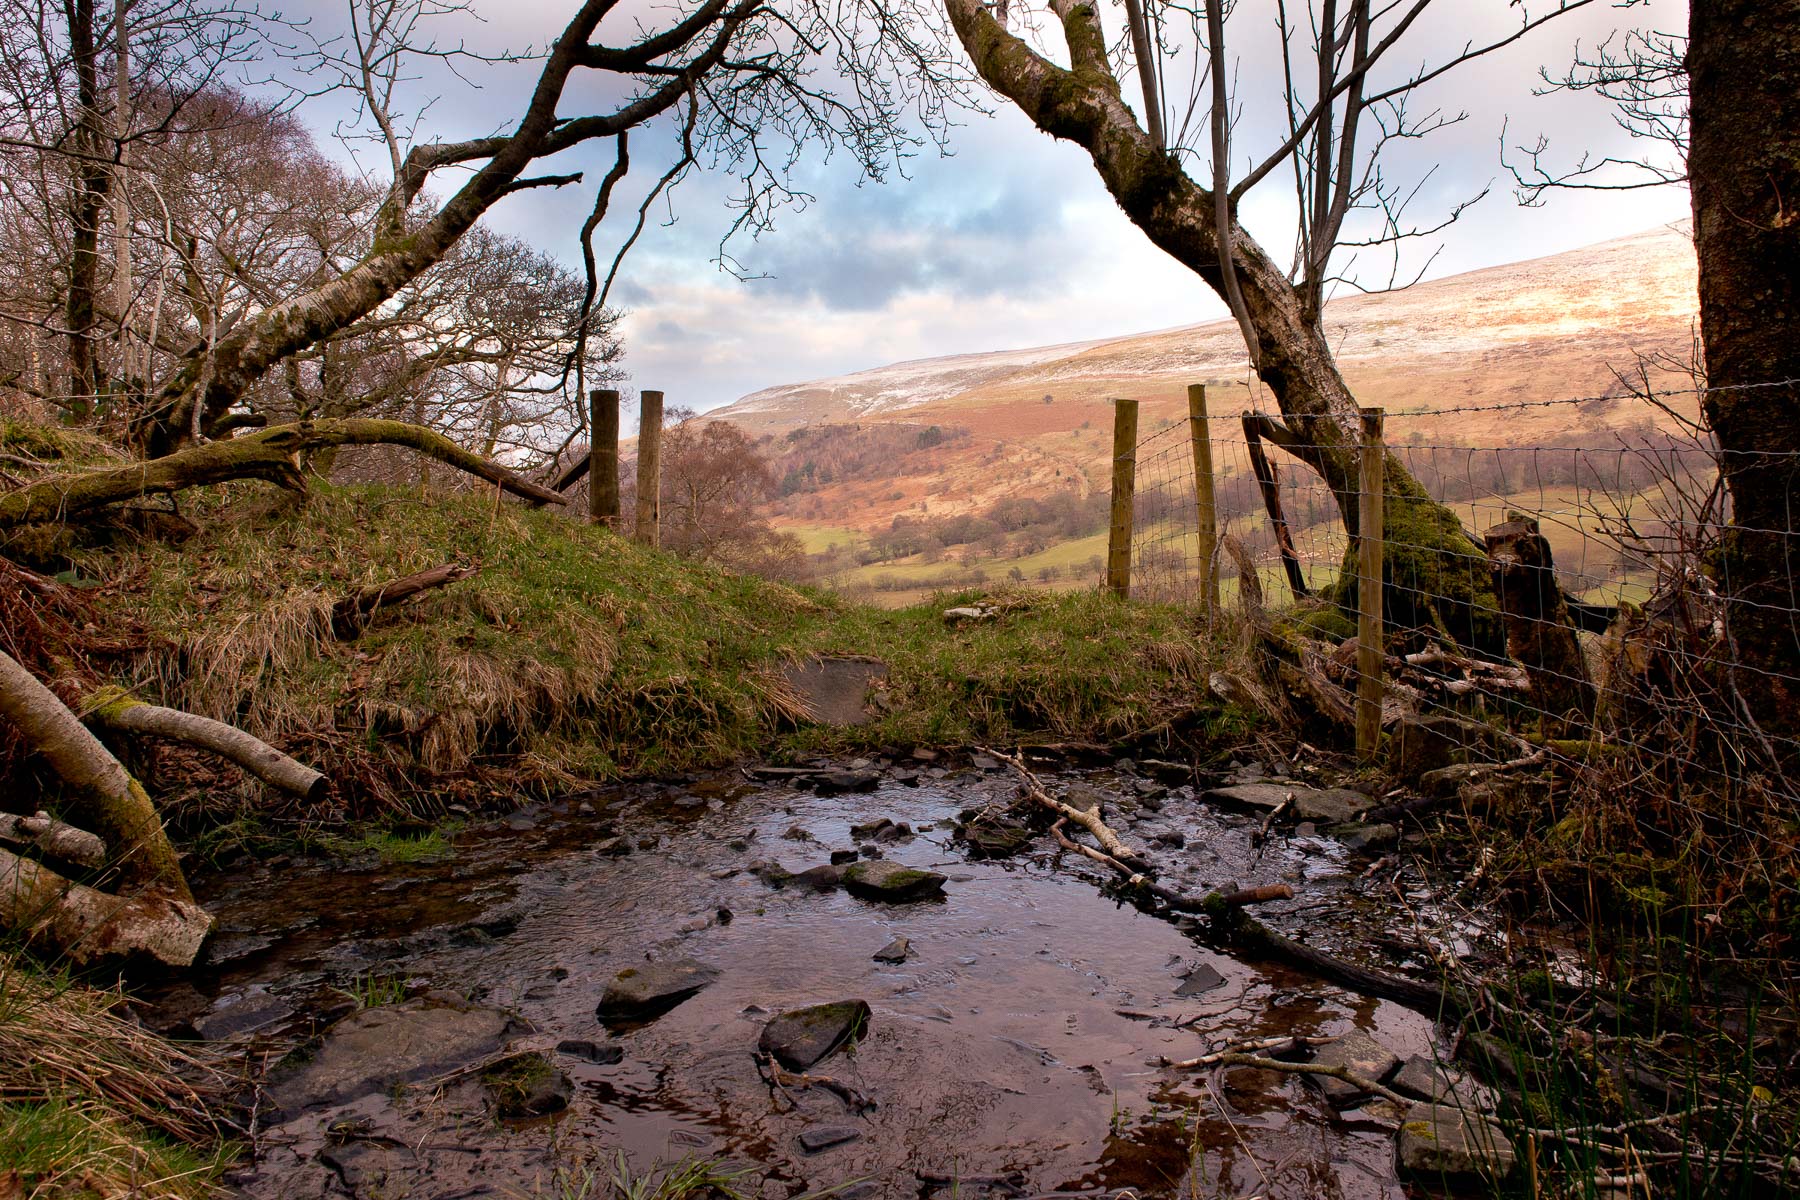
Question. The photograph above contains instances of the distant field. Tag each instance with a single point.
(818, 539)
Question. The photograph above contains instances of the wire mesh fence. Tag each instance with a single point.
(1547, 596)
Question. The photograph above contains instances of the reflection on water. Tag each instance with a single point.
(1015, 1052)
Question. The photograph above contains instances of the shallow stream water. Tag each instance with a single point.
(1016, 1052)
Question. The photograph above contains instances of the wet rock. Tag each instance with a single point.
(1166, 772)
(247, 1015)
(797, 833)
(226, 947)
(1202, 979)
(1080, 796)
(770, 872)
(890, 834)
(821, 878)
(603, 1054)
(1172, 838)
(526, 1085)
(1438, 1140)
(924, 755)
(895, 951)
(880, 879)
(615, 846)
(824, 1137)
(905, 778)
(869, 829)
(990, 834)
(641, 993)
(984, 762)
(832, 783)
(1310, 804)
(768, 774)
(805, 1036)
(375, 1048)
(1359, 1052)
(843, 858)
(1432, 1081)
(362, 1167)
(1365, 838)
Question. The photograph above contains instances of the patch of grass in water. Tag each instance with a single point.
(395, 848)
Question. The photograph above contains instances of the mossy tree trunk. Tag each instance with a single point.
(1436, 572)
(270, 454)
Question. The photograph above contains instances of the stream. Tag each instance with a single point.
(1015, 1052)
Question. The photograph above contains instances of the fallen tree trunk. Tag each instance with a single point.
(51, 838)
(272, 455)
(106, 798)
(256, 756)
(351, 614)
(82, 925)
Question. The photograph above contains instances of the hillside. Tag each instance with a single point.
(1039, 420)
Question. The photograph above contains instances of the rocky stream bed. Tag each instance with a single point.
(629, 976)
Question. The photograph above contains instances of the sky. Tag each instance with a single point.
(1009, 239)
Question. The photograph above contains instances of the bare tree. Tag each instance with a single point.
(81, 88)
(749, 82)
(1342, 101)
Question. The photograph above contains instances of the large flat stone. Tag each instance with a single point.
(835, 691)
(1437, 1140)
(882, 879)
(1424, 1079)
(1310, 804)
(804, 1036)
(642, 993)
(376, 1048)
(1361, 1054)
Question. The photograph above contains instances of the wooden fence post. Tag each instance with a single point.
(603, 458)
(1370, 638)
(649, 469)
(1124, 488)
(1206, 516)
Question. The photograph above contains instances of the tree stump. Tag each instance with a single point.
(1539, 633)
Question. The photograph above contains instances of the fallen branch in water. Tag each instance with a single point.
(1087, 819)
(780, 1079)
(1280, 1042)
(1179, 901)
(1361, 1083)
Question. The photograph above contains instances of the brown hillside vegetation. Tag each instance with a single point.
(1547, 329)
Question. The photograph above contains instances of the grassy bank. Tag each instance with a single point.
(573, 656)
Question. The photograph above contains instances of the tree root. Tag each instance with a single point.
(53, 839)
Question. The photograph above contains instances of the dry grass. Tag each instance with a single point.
(92, 1104)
